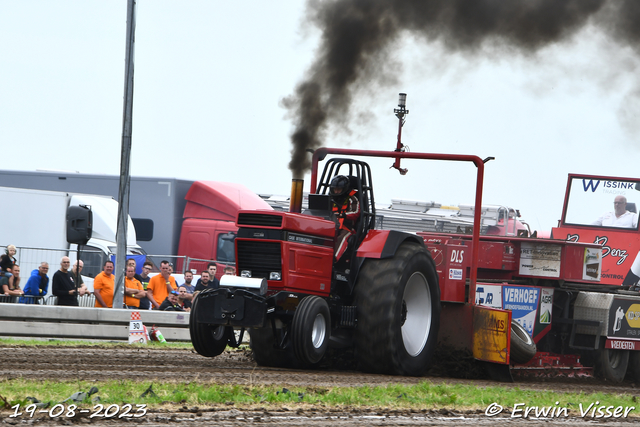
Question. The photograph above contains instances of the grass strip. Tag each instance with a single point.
(14, 342)
(422, 396)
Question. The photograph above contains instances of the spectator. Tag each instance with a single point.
(11, 291)
(7, 260)
(64, 285)
(188, 278)
(77, 277)
(229, 271)
(37, 285)
(161, 285)
(133, 289)
(214, 283)
(183, 300)
(144, 278)
(103, 286)
(132, 262)
(171, 302)
(203, 282)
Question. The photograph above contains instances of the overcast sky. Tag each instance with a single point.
(210, 77)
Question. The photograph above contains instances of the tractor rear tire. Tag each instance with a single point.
(611, 365)
(265, 351)
(522, 346)
(207, 340)
(311, 330)
(398, 306)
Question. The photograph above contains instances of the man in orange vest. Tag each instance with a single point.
(346, 207)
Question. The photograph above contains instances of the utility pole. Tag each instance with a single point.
(125, 160)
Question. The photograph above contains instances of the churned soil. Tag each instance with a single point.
(237, 367)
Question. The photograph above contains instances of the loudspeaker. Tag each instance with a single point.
(79, 224)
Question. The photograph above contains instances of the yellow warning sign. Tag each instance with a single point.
(491, 334)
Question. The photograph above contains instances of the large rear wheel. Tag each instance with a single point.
(398, 302)
(208, 340)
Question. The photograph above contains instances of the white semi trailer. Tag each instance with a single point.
(35, 222)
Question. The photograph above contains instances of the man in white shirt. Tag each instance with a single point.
(620, 217)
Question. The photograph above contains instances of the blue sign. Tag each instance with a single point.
(523, 303)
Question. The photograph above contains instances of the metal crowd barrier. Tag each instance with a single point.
(87, 300)
(52, 321)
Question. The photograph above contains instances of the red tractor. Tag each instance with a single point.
(386, 284)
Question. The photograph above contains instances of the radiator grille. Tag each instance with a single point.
(260, 258)
(265, 220)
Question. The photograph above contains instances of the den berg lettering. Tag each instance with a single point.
(614, 252)
(606, 250)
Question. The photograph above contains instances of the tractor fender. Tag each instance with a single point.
(379, 244)
(384, 243)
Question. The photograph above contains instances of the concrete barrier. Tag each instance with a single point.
(22, 320)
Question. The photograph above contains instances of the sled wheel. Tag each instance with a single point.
(398, 306)
(207, 340)
(611, 365)
(522, 346)
(311, 329)
(266, 351)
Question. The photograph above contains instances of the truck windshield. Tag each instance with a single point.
(226, 248)
(602, 202)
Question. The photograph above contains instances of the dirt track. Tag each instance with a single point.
(237, 367)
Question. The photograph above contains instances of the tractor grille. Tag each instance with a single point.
(260, 258)
(262, 220)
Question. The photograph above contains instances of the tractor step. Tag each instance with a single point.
(348, 316)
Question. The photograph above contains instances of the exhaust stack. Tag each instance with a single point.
(295, 203)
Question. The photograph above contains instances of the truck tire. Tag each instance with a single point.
(522, 346)
(634, 366)
(265, 351)
(611, 365)
(398, 309)
(207, 340)
(311, 330)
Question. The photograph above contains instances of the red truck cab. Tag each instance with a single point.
(209, 228)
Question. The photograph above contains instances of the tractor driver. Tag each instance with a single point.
(346, 207)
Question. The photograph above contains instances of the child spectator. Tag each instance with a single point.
(171, 302)
(7, 260)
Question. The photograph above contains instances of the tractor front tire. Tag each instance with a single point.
(398, 306)
(207, 340)
(310, 330)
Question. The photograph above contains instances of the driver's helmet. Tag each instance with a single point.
(339, 186)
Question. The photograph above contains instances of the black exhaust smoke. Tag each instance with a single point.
(358, 36)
